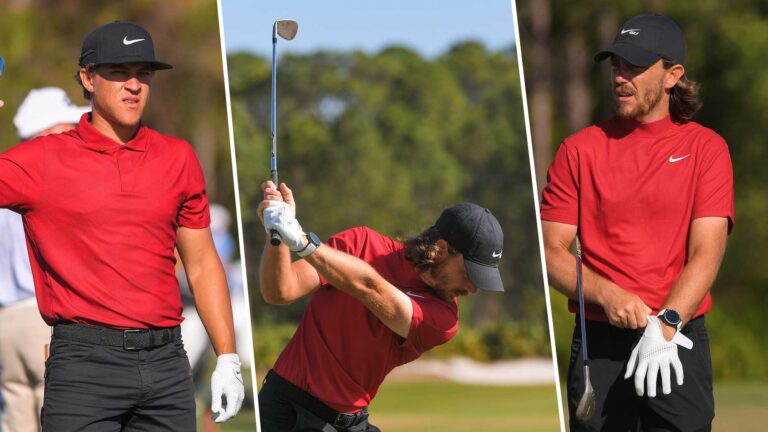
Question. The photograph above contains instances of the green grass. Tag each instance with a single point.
(741, 407)
(402, 406)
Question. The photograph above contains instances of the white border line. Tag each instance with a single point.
(518, 46)
(237, 207)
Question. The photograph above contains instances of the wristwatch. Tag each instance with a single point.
(312, 244)
(671, 318)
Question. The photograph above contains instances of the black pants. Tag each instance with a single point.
(689, 408)
(283, 408)
(97, 388)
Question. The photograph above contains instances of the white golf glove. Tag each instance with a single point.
(654, 354)
(228, 382)
(279, 216)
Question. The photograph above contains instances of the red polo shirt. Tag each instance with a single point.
(633, 189)
(101, 222)
(341, 352)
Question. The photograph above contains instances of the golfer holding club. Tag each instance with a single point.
(103, 207)
(376, 303)
(650, 194)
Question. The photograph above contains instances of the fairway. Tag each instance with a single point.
(402, 406)
(740, 407)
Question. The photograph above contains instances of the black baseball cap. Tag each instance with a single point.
(645, 39)
(117, 43)
(475, 233)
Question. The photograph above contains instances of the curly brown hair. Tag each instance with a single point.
(684, 99)
(422, 250)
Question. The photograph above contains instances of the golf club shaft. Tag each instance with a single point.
(581, 303)
(274, 235)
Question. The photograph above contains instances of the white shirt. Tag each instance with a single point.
(16, 282)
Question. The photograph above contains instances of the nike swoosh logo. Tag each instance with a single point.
(633, 32)
(129, 42)
(674, 159)
(496, 254)
(410, 293)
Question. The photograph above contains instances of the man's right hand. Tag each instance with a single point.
(623, 308)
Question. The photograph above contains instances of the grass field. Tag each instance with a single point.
(408, 406)
(741, 407)
(404, 406)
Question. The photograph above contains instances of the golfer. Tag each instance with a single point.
(103, 206)
(376, 303)
(650, 194)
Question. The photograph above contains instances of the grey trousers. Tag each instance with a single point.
(97, 388)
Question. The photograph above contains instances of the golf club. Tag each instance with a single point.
(2, 65)
(586, 407)
(286, 29)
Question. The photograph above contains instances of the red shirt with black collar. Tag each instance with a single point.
(101, 220)
(341, 352)
(633, 190)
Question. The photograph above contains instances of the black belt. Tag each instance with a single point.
(337, 419)
(131, 340)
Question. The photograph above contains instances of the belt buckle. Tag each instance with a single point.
(344, 420)
(128, 346)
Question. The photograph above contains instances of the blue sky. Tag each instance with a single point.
(427, 26)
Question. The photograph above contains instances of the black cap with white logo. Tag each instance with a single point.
(476, 234)
(118, 43)
(645, 39)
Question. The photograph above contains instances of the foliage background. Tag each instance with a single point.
(726, 46)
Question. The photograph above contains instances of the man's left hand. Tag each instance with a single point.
(227, 381)
(279, 217)
(654, 355)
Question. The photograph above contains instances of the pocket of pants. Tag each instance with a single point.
(65, 352)
(180, 350)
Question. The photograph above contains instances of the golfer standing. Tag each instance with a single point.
(103, 207)
(377, 303)
(650, 194)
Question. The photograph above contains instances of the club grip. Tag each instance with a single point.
(274, 239)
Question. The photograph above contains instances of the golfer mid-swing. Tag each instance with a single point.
(104, 205)
(377, 303)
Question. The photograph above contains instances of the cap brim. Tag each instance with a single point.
(156, 65)
(485, 277)
(631, 53)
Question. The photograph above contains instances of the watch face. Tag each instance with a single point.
(314, 239)
(671, 317)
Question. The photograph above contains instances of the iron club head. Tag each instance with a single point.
(286, 29)
(586, 407)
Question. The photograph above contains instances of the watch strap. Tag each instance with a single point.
(312, 243)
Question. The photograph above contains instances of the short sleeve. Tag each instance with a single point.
(560, 198)
(434, 323)
(21, 169)
(714, 194)
(194, 212)
(348, 241)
